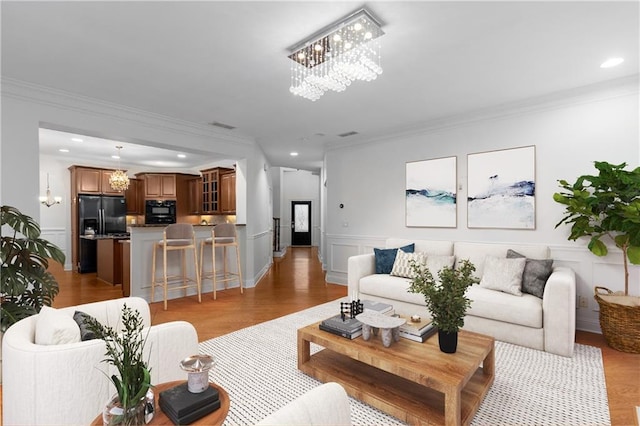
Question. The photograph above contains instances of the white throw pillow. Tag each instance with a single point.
(436, 262)
(503, 274)
(402, 264)
(55, 327)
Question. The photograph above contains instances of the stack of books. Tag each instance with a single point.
(379, 307)
(349, 327)
(417, 331)
(184, 407)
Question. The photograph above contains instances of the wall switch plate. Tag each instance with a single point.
(583, 302)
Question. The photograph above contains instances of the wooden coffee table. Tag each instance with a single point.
(160, 418)
(414, 382)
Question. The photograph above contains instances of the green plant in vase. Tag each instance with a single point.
(445, 297)
(124, 350)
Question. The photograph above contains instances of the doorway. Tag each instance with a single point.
(301, 223)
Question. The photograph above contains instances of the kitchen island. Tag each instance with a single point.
(141, 251)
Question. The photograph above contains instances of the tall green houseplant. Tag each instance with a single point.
(25, 283)
(605, 206)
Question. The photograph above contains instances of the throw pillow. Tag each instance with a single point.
(55, 327)
(81, 319)
(536, 273)
(436, 262)
(402, 265)
(386, 257)
(503, 274)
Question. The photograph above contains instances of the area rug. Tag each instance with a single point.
(258, 368)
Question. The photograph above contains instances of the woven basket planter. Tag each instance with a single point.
(620, 322)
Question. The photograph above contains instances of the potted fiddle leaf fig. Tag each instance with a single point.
(25, 283)
(606, 207)
(445, 298)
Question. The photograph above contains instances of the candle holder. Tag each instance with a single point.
(197, 368)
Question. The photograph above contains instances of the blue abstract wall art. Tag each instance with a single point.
(501, 189)
(430, 193)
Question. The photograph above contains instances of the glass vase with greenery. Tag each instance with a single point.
(124, 350)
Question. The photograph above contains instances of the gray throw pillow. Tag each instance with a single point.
(81, 318)
(536, 273)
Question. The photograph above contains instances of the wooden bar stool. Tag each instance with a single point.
(177, 236)
(222, 235)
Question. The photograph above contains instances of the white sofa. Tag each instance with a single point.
(65, 383)
(327, 404)
(546, 324)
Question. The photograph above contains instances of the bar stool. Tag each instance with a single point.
(177, 236)
(222, 235)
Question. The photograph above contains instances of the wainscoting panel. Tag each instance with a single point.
(58, 236)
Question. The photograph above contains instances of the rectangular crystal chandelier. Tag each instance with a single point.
(337, 55)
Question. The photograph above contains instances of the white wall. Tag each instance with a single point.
(569, 133)
(26, 107)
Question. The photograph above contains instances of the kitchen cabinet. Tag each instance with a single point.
(110, 260)
(89, 180)
(158, 186)
(195, 196)
(228, 193)
(134, 197)
(216, 198)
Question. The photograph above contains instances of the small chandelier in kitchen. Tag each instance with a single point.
(118, 180)
(337, 55)
(48, 200)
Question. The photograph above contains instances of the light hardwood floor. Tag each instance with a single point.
(296, 282)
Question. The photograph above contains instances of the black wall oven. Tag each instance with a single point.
(160, 212)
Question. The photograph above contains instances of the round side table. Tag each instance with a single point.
(161, 419)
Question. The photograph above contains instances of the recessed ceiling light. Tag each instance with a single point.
(182, 156)
(293, 154)
(611, 62)
(77, 140)
(117, 157)
(63, 150)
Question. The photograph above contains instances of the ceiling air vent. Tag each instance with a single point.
(222, 125)
(351, 133)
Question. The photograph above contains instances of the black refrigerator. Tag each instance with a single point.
(105, 215)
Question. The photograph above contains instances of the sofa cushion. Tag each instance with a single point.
(435, 263)
(386, 257)
(81, 319)
(524, 310)
(56, 327)
(402, 264)
(390, 287)
(503, 274)
(535, 275)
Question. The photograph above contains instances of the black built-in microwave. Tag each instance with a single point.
(160, 212)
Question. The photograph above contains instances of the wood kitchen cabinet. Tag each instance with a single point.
(195, 196)
(228, 192)
(158, 186)
(110, 260)
(134, 197)
(218, 191)
(89, 180)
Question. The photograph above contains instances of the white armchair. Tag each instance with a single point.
(66, 383)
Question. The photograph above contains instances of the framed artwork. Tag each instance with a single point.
(501, 189)
(430, 193)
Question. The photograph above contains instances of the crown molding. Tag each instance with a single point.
(610, 89)
(25, 91)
